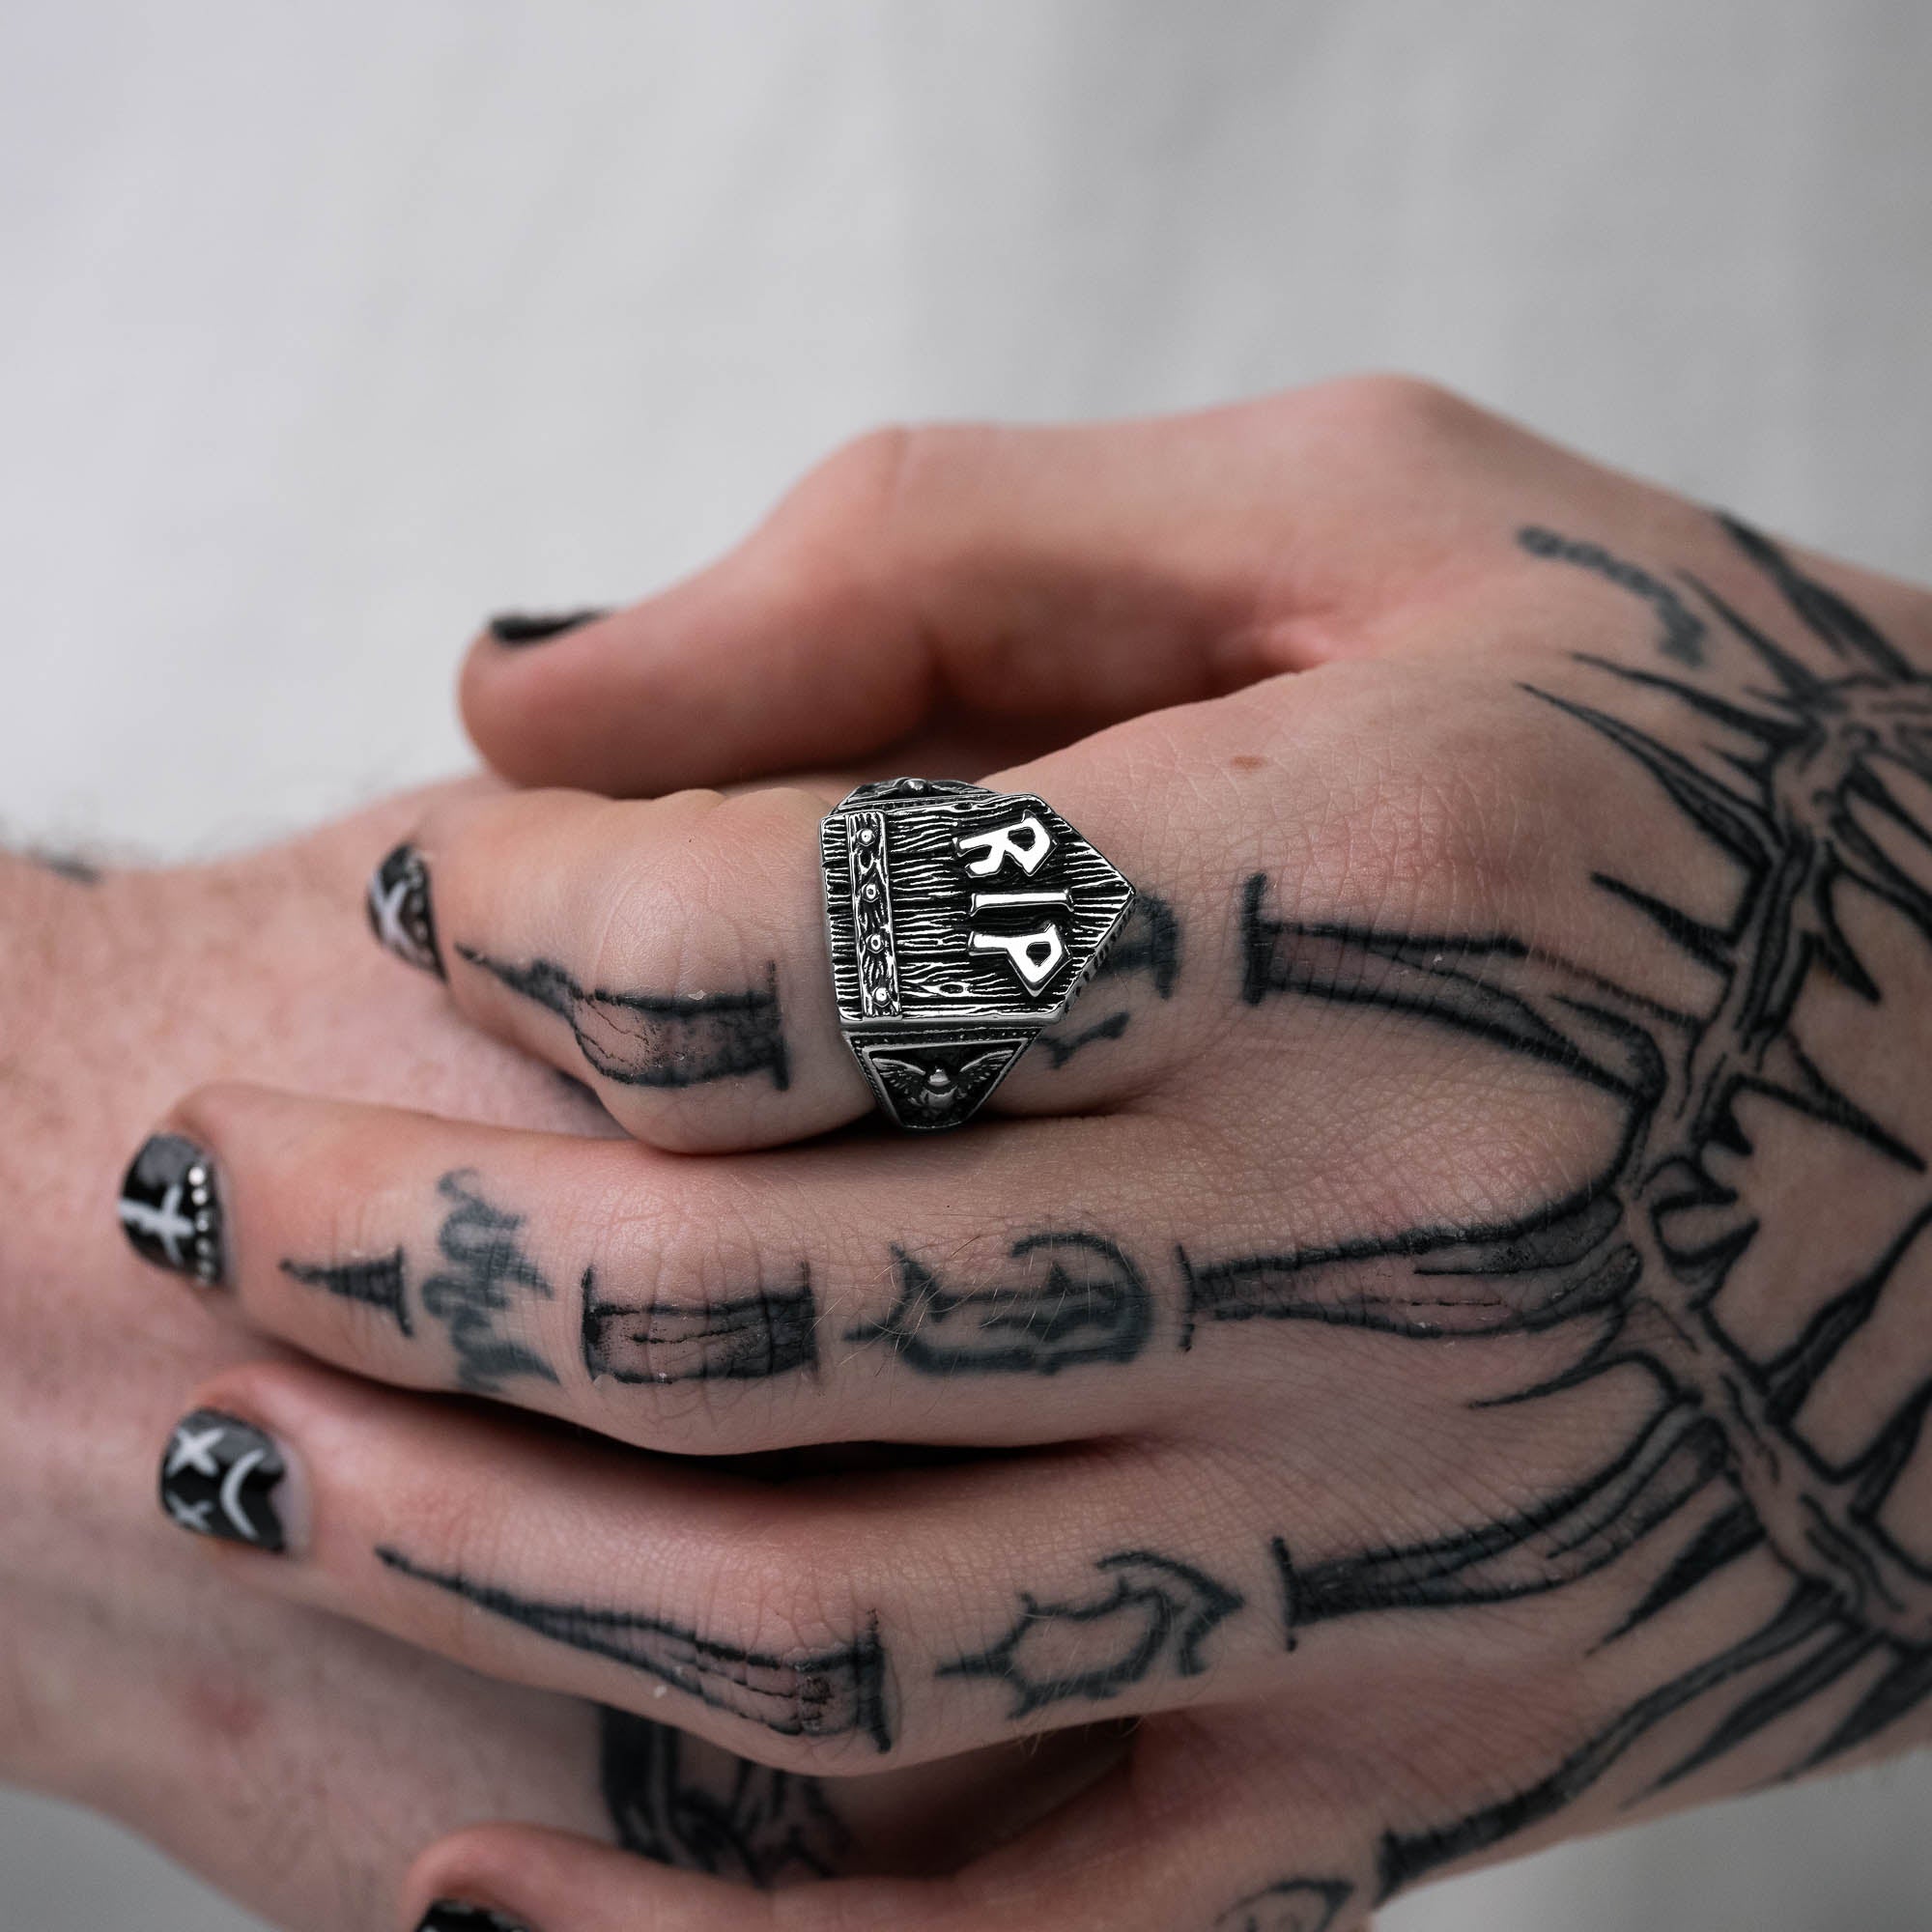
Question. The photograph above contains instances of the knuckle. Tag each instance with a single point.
(1442, 809)
(810, 1632)
(854, 486)
(700, 1318)
(1392, 410)
(721, 894)
(214, 1113)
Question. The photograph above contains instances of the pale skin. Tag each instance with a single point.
(138, 1676)
(1469, 1366)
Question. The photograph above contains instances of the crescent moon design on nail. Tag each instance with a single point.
(231, 1490)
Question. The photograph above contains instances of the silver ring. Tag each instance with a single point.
(961, 922)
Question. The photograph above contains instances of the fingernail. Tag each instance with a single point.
(518, 628)
(171, 1209)
(399, 910)
(451, 1915)
(218, 1478)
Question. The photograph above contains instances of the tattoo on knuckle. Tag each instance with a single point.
(485, 1276)
(831, 1690)
(1145, 1614)
(1147, 948)
(641, 1038)
(1078, 1298)
(736, 1337)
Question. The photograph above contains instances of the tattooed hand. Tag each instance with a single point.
(295, 1760)
(1447, 1306)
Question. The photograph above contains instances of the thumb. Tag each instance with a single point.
(1073, 576)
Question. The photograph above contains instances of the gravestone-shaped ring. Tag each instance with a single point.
(961, 923)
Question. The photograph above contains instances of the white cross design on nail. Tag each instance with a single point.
(195, 1450)
(192, 1516)
(166, 1224)
(387, 905)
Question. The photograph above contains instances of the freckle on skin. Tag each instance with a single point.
(222, 1711)
(1247, 762)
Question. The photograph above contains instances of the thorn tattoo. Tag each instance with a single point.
(1090, 1305)
(1150, 1612)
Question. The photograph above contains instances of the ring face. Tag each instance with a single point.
(961, 922)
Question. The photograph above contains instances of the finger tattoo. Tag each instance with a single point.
(657, 1040)
(1149, 946)
(816, 1693)
(1150, 1612)
(485, 1275)
(1078, 1298)
(740, 1820)
(382, 1283)
(742, 1338)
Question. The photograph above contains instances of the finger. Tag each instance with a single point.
(1133, 1855)
(818, 1625)
(1084, 574)
(1032, 1281)
(673, 954)
(899, 1291)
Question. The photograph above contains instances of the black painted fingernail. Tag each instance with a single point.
(399, 910)
(171, 1209)
(219, 1477)
(518, 628)
(451, 1915)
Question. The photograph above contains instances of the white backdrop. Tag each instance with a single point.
(323, 331)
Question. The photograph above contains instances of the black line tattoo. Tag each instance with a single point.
(766, 1333)
(1150, 1610)
(1808, 783)
(1092, 1306)
(658, 1039)
(703, 1809)
(1571, 1536)
(486, 1270)
(1682, 632)
(1294, 1905)
(1060, 1048)
(383, 1283)
(1149, 945)
(804, 1693)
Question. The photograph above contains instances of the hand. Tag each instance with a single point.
(1447, 1295)
(293, 1759)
